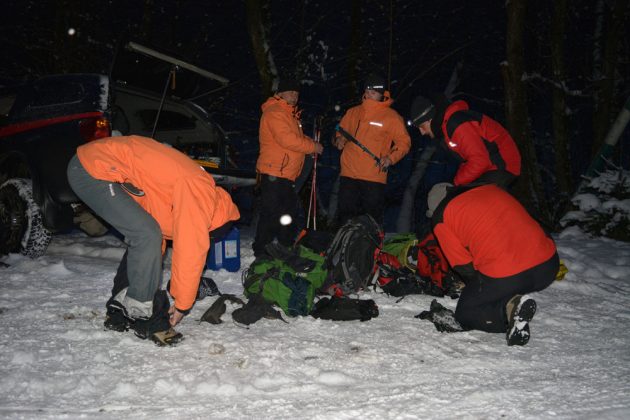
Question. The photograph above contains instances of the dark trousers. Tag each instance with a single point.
(360, 197)
(277, 198)
(482, 303)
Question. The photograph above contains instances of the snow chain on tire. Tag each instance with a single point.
(36, 237)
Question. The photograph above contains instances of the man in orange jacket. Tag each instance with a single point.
(150, 193)
(382, 131)
(501, 254)
(283, 147)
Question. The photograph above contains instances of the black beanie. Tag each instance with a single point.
(286, 85)
(375, 82)
(422, 110)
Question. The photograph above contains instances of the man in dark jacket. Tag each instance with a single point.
(500, 252)
(488, 153)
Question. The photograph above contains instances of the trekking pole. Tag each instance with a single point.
(312, 204)
(361, 146)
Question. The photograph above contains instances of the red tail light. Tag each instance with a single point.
(95, 128)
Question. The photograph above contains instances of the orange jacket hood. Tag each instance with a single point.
(283, 145)
(180, 195)
(379, 128)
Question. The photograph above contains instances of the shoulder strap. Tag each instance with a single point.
(460, 117)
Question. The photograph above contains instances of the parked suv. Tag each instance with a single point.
(41, 125)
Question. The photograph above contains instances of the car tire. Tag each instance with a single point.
(21, 224)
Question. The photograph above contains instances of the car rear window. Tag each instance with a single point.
(169, 120)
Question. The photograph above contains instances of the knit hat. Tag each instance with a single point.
(422, 109)
(288, 84)
(375, 82)
(436, 195)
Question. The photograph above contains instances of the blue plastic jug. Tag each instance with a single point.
(226, 253)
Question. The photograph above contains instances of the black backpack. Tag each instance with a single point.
(351, 256)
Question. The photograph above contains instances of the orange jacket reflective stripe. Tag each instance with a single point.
(379, 128)
(180, 195)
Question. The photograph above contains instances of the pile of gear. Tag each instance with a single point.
(322, 272)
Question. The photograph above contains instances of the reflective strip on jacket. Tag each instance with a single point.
(472, 140)
(489, 228)
(282, 143)
(180, 195)
(381, 130)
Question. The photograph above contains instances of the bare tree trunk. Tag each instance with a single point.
(529, 186)
(605, 85)
(559, 115)
(256, 26)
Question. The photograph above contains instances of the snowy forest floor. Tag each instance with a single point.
(57, 360)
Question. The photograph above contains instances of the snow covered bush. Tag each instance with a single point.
(602, 206)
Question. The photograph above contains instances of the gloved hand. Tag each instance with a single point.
(443, 318)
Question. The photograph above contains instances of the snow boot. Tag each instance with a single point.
(520, 310)
(207, 287)
(116, 318)
(157, 326)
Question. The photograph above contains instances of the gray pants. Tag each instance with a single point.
(142, 235)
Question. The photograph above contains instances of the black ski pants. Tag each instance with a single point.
(277, 198)
(358, 197)
(482, 303)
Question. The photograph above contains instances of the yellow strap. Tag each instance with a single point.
(562, 271)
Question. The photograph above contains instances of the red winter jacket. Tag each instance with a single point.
(488, 228)
(481, 142)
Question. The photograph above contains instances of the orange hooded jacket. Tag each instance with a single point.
(282, 143)
(381, 130)
(179, 194)
(488, 228)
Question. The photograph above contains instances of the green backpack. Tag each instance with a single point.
(293, 291)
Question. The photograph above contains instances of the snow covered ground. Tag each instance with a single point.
(57, 361)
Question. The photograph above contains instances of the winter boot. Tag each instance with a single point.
(207, 287)
(520, 310)
(116, 318)
(157, 327)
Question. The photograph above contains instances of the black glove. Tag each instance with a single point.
(443, 318)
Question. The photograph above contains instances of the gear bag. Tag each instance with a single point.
(290, 285)
(424, 257)
(351, 256)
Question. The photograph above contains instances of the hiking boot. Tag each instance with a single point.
(207, 287)
(169, 337)
(520, 310)
(115, 319)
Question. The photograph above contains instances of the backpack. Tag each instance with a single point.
(431, 261)
(425, 258)
(351, 256)
(279, 283)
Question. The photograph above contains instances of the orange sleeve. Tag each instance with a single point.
(286, 137)
(191, 240)
(400, 139)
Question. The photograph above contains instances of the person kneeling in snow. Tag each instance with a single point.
(501, 253)
(151, 192)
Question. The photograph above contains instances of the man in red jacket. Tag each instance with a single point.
(382, 131)
(487, 152)
(283, 147)
(500, 252)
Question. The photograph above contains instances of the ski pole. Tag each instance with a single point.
(361, 146)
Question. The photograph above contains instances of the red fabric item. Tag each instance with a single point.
(467, 141)
(431, 260)
(489, 228)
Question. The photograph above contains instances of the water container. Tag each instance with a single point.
(226, 253)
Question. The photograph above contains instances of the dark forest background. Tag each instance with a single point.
(555, 73)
